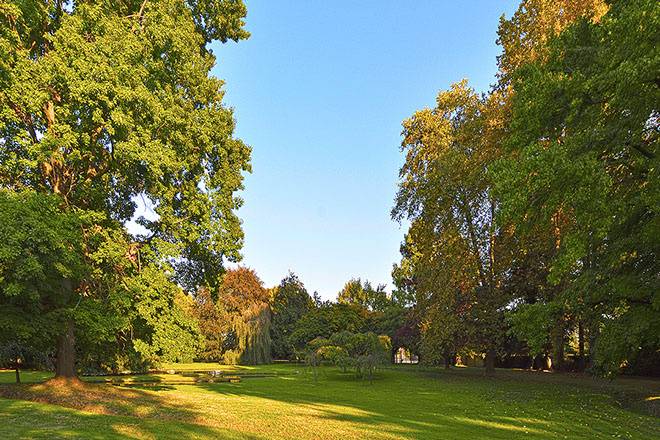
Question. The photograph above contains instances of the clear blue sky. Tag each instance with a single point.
(319, 93)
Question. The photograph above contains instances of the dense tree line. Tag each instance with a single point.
(293, 321)
(533, 208)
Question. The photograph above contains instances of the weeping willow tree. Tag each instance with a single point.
(245, 306)
(252, 329)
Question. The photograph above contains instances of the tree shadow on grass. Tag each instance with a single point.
(419, 405)
(30, 420)
(399, 404)
(105, 399)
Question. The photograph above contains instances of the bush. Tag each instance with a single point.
(363, 351)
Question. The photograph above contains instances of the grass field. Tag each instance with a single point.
(401, 403)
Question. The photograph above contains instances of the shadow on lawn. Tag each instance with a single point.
(432, 406)
(30, 420)
(406, 404)
(101, 398)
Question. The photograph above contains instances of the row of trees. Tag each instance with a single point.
(533, 207)
(246, 323)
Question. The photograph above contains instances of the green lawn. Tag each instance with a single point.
(406, 403)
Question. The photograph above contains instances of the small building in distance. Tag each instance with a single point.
(403, 356)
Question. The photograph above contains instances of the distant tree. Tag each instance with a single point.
(364, 295)
(387, 321)
(290, 303)
(244, 304)
(318, 301)
(353, 293)
(325, 320)
(17, 355)
(364, 351)
(212, 324)
(408, 335)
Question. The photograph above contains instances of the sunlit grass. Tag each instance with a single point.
(402, 403)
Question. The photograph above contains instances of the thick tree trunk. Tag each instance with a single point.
(65, 365)
(592, 340)
(18, 374)
(489, 362)
(558, 347)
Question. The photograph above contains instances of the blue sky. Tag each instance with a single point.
(319, 92)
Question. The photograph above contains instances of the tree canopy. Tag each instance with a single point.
(289, 304)
(533, 207)
(103, 104)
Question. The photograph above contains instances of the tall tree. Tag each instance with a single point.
(105, 102)
(525, 39)
(600, 80)
(290, 303)
(445, 191)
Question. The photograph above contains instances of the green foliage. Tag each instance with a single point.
(600, 140)
(364, 295)
(40, 265)
(446, 331)
(289, 304)
(533, 323)
(336, 354)
(102, 103)
(325, 320)
(40, 250)
(363, 351)
(214, 326)
(168, 332)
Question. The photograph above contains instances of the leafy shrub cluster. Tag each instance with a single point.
(364, 352)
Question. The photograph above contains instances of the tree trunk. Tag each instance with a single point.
(18, 374)
(65, 365)
(489, 362)
(593, 334)
(558, 346)
(580, 363)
